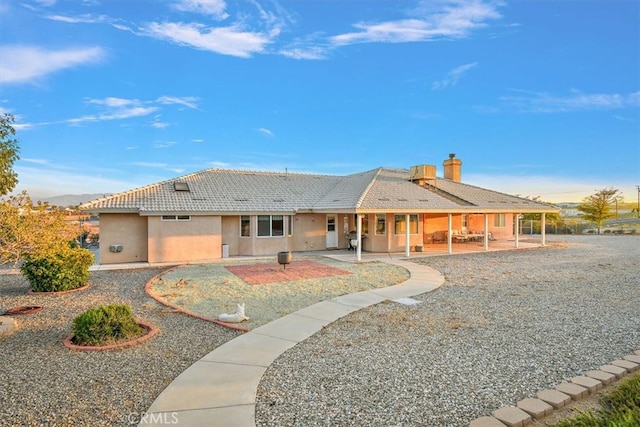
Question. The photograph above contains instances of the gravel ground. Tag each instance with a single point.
(44, 383)
(503, 326)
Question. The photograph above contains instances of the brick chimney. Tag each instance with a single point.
(452, 168)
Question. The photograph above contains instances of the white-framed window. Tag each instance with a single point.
(499, 220)
(270, 225)
(400, 224)
(175, 218)
(245, 226)
(381, 224)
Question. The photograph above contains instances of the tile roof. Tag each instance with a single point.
(223, 191)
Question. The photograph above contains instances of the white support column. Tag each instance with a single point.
(486, 232)
(449, 237)
(543, 231)
(517, 233)
(407, 238)
(359, 237)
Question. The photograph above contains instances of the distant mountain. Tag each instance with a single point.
(72, 199)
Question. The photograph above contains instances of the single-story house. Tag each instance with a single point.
(217, 213)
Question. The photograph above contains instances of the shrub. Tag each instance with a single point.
(106, 324)
(60, 270)
(620, 408)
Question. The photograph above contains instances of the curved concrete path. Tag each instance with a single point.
(220, 389)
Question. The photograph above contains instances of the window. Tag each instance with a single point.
(176, 218)
(290, 225)
(270, 225)
(365, 224)
(400, 224)
(499, 220)
(381, 224)
(245, 226)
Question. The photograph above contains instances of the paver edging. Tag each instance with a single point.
(554, 397)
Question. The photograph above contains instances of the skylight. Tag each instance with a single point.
(181, 186)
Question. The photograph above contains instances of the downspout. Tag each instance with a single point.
(407, 236)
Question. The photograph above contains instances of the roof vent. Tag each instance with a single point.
(180, 186)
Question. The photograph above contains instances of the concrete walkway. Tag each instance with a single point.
(220, 389)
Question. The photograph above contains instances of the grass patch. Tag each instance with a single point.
(620, 408)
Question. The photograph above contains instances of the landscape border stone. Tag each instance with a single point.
(563, 394)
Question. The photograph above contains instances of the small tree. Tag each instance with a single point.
(8, 154)
(597, 207)
(31, 229)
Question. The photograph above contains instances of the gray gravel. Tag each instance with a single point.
(44, 383)
(504, 325)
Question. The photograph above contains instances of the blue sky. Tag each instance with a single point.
(537, 98)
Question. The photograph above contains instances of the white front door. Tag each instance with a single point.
(332, 234)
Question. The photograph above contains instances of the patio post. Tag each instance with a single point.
(517, 226)
(543, 231)
(407, 247)
(486, 232)
(359, 237)
(449, 237)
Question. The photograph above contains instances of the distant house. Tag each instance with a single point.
(214, 213)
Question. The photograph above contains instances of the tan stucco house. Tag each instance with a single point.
(217, 213)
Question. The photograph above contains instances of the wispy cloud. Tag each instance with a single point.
(266, 131)
(453, 76)
(80, 19)
(232, 40)
(431, 20)
(214, 8)
(187, 101)
(36, 161)
(164, 144)
(115, 108)
(149, 165)
(30, 63)
(543, 102)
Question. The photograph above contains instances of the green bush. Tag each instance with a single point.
(61, 270)
(620, 408)
(106, 324)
